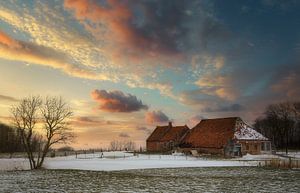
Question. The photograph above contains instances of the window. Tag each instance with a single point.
(247, 147)
(255, 146)
(265, 146)
(268, 146)
(262, 146)
(171, 144)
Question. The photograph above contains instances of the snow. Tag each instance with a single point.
(293, 154)
(247, 133)
(249, 157)
(113, 161)
(136, 162)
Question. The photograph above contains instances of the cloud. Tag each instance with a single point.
(195, 120)
(50, 28)
(206, 102)
(124, 135)
(156, 117)
(8, 98)
(144, 129)
(281, 5)
(12, 49)
(8, 41)
(162, 32)
(221, 87)
(229, 108)
(118, 37)
(214, 81)
(125, 41)
(117, 101)
(86, 121)
(286, 82)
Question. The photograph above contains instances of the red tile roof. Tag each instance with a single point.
(168, 133)
(158, 133)
(175, 133)
(211, 133)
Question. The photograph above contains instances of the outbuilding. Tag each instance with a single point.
(166, 138)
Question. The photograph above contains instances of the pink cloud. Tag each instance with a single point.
(125, 42)
(156, 117)
(117, 101)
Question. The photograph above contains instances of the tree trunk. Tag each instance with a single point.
(287, 142)
(45, 151)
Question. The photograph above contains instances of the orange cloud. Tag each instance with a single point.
(221, 86)
(8, 41)
(12, 49)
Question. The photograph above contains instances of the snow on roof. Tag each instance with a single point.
(247, 133)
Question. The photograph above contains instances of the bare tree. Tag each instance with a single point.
(122, 145)
(281, 124)
(115, 145)
(54, 114)
(25, 117)
(129, 145)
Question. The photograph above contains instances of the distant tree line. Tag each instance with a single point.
(122, 145)
(281, 124)
(10, 140)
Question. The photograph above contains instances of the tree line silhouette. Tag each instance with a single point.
(281, 124)
(10, 140)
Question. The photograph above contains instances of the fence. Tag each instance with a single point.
(281, 163)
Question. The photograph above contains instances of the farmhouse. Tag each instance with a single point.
(166, 138)
(227, 136)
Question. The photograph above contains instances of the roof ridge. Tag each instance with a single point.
(220, 118)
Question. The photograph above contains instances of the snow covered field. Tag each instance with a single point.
(134, 162)
(123, 161)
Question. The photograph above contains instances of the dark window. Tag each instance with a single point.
(265, 146)
(262, 146)
(268, 146)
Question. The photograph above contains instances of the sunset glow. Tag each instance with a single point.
(126, 66)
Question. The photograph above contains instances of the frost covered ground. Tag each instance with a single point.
(211, 179)
(124, 172)
(112, 161)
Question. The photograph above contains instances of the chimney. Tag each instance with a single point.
(170, 124)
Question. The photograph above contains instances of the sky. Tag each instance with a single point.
(126, 66)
